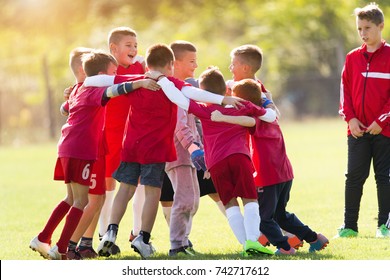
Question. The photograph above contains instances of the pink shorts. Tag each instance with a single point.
(233, 177)
(74, 170)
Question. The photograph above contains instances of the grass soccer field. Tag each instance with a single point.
(316, 148)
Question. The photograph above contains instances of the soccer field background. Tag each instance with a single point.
(317, 150)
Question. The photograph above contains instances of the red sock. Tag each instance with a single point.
(56, 217)
(72, 220)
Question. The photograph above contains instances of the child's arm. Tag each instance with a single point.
(104, 80)
(246, 121)
(120, 89)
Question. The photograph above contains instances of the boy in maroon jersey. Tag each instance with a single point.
(78, 149)
(227, 157)
(365, 106)
(274, 175)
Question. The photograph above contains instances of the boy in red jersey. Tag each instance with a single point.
(227, 158)
(96, 194)
(246, 61)
(365, 106)
(122, 42)
(78, 149)
(274, 175)
(147, 146)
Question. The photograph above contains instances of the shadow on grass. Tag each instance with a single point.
(199, 256)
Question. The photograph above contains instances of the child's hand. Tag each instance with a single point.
(233, 101)
(206, 175)
(217, 116)
(149, 84)
(67, 92)
(153, 74)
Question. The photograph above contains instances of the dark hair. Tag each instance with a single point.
(180, 47)
(97, 61)
(159, 55)
(248, 89)
(250, 55)
(371, 12)
(212, 80)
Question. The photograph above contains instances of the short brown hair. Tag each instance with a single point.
(212, 80)
(370, 12)
(179, 47)
(97, 61)
(248, 89)
(117, 33)
(159, 55)
(75, 58)
(250, 55)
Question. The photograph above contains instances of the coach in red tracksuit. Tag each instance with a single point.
(365, 106)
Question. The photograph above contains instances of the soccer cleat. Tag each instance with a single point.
(55, 255)
(281, 251)
(295, 242)
(255, 248)
(40, 247)
(382, 232)
(107, 242)
(180, 252)
(73, 255)
(190, 248)
(87, 253)
(346, 232)
(263, 240)
(145, 250)
(318, 244)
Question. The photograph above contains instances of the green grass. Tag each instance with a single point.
(316, 148)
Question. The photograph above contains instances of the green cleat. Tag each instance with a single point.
(346, 232)
(255, 248)
(382, 232)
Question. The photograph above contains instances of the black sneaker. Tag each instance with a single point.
(179, 252)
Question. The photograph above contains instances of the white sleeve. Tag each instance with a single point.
(270, 116)
(99, 81)
(174, 94)
(202, 95)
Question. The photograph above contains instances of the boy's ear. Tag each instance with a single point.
(112, 47)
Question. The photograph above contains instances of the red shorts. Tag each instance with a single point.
(74, 170)
(233, 177)
(114, 139)
(98, 177)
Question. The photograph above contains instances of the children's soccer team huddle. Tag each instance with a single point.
(133, 120)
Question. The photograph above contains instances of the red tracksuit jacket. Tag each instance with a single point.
(365, 87)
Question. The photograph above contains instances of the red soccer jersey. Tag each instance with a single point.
(150, 125)
(83, 131)
(365, 87)
(269, 155)
(223, 139)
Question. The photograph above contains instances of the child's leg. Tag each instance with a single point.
(185, 203)
(149, 213)
(288, 221)
(107, 206)
(236, 220)
(138, 203)
(122, 198)
(80, 196)
(251, 219)
(268, 198)
(56, 217)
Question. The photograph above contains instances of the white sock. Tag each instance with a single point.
(167, 214)
(236, 222)
(138, 204)
(252, 221)
(221, 207)
(106, 212)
